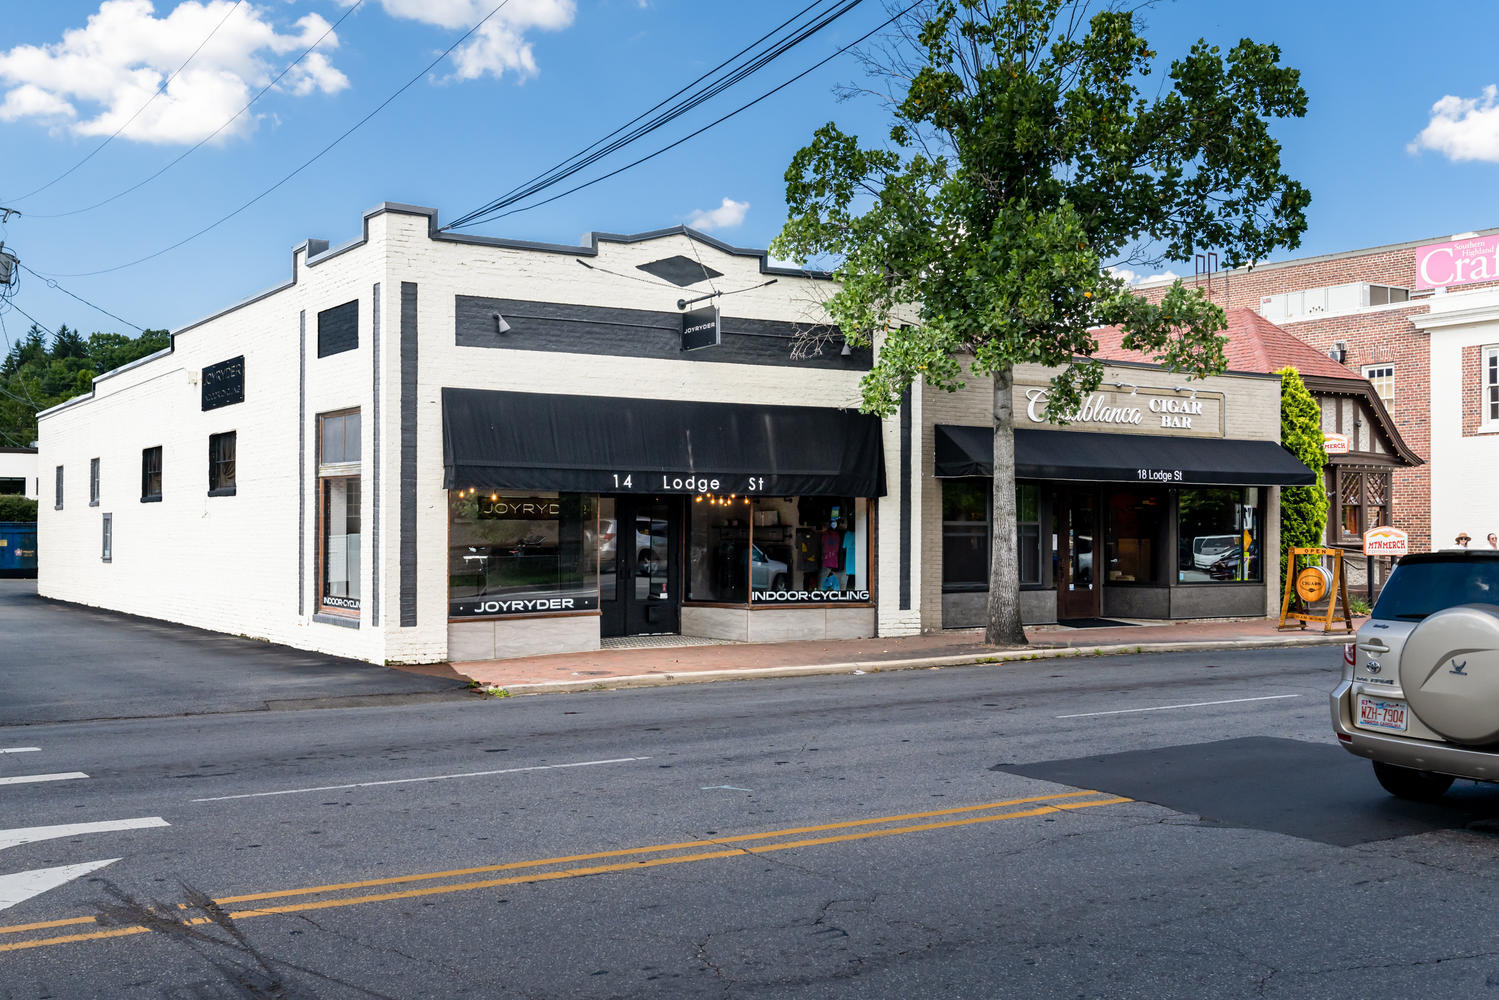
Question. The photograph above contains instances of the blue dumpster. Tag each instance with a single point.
(18, 548)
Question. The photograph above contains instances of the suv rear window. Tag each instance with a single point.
(1418, 589)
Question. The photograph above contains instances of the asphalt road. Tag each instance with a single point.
(1161, 826)
(64, 662)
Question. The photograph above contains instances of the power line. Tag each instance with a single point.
(579, 162)
(155, 94)
(315, 157)
(712, 124)
(54, 285)
(556, 172)
(212, 135)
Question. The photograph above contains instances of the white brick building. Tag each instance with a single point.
(426, 446)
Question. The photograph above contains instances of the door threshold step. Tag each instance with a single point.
(661, 642)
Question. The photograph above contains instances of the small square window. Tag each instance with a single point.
(1382, 378)
(151, 475)
(221, 455)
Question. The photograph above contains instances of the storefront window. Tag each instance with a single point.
(778, 550)
(809, 550)
(339, 512)
(717, 549)
(1133, 537)
(1218, 535)
(966, 516)
(525, 554)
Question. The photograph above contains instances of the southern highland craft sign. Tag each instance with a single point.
(1457, 262)
(1133, 410)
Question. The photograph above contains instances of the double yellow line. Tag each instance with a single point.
(551, 869)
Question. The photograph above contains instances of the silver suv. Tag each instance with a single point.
(1420, 689)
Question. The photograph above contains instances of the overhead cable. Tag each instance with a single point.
(309, 162)
(712, 124)
(592, 153)
(54, 285)
(214, 134)
(154, 95)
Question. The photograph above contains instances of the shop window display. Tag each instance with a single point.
(778, 550)
(524, 554)
(1135, 530)
(1218, 536)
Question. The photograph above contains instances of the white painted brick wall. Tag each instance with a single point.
(22, 465)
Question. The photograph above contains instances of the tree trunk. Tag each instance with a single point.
(1004, 627)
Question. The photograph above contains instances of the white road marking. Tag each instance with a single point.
(434, 777)
(26, 779)
(19, 749)
(31, 834)
(1194, 704)
(23, 885)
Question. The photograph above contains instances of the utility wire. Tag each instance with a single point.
(313, 159)
(34, 321)
(157, 93)
(54, 285)
(212, 135)
(587, 155)
(693, 135)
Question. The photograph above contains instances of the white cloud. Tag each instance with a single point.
(100, 75)
(725, 216)
(1134, 277)
(1463, 128)
(500, 44)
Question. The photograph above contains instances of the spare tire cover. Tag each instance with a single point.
(1449, 671)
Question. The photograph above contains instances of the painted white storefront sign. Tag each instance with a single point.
(1137, 411)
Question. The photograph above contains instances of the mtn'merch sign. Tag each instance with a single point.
(1386, 541)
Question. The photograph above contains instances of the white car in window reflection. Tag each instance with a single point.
(766, 573)
(1209, 549)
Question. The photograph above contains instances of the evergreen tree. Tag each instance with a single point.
(1303, 509)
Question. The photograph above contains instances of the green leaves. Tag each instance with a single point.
(1023, 157)
(1303, 509)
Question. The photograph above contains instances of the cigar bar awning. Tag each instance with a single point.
(1085, 456)
(494, 439)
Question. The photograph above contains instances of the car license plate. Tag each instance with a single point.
(1376, 713)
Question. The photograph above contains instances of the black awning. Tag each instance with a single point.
(1084, 456)
(600, 444)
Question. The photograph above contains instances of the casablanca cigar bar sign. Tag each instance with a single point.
(1134, 410)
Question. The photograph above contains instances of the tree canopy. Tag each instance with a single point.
(1024, 158)
(36, 374)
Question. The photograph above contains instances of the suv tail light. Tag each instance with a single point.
(1348, 653)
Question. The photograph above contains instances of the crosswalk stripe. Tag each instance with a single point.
(31, 834)
(19, 749)
(23, 885)
(26, 779)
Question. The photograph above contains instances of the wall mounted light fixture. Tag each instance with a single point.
(500, 326)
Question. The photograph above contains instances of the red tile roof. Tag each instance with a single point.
(1254, 345)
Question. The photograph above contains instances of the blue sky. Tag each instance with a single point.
(549, 76)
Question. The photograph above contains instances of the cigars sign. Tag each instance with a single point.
(1133, 410)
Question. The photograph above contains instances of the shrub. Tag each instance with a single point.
(14, 508)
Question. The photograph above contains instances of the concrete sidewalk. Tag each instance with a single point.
(682, 664)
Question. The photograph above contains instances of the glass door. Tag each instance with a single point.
(640, 565)
(1078, 594)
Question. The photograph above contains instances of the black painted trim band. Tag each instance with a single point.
(408, 454)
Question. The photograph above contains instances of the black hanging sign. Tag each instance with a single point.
(224, 383)
(701, 328)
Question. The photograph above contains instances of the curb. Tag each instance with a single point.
(919, 663)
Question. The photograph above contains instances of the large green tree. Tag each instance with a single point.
(36, 375)
(1033, 144)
